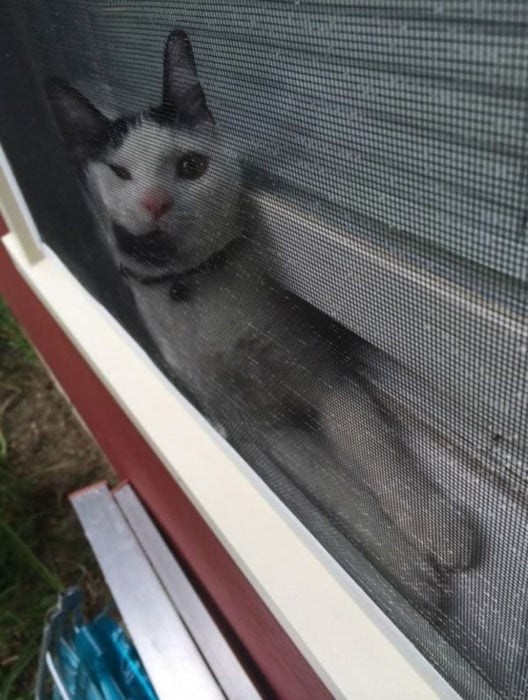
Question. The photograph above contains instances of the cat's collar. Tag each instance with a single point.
(179, 289)
(148, 280)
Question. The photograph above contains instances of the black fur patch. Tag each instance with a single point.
(191, 110)
(121, 127)
(164, 115)
(112, 137)
(154, 248)
(117, 132)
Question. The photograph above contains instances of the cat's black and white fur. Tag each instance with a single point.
(265, 368)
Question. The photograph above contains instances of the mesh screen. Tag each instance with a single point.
(313, 216)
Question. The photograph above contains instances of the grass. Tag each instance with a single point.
(44, 455)
(27, 586)
(15, 351)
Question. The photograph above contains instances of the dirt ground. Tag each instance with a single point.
(48, 447)
(44, 455)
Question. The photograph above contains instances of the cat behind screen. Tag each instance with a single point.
(284, 383)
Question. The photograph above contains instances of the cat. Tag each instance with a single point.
(286, 385)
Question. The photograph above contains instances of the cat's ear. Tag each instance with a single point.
(83, 127)
(182, 92)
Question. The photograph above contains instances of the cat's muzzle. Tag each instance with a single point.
(152, 248)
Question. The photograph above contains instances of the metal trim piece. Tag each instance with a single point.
(219, 656)
(167, 651)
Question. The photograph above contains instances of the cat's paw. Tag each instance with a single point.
(378, 447)
(451, 534)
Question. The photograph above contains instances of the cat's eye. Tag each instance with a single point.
(192, 165)
(121, 172)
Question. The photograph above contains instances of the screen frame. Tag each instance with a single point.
(332, 625)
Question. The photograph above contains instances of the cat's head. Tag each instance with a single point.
(169, 184)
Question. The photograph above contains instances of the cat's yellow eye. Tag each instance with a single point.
(120, 171)
(192, 165)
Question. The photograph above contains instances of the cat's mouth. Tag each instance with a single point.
(154, 248)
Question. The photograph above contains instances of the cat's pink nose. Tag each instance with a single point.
(157, 205)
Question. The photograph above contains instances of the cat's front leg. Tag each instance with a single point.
(370, 441)
(299, 464)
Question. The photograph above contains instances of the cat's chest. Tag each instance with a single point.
(201, 335)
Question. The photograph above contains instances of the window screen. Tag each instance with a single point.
(313, 216)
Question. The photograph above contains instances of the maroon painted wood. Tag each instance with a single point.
(286, 672)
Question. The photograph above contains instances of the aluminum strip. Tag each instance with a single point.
(218, 654)
(170, 657)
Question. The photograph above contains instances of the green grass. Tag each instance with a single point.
(42, 549)
(15, 353)
(27, 587)
(15, 350)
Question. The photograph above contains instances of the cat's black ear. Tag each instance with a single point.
(182, 92)
(83, 127)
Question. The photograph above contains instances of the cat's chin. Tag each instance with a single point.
(152, 249)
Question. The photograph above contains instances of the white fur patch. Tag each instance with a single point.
(200, 219)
